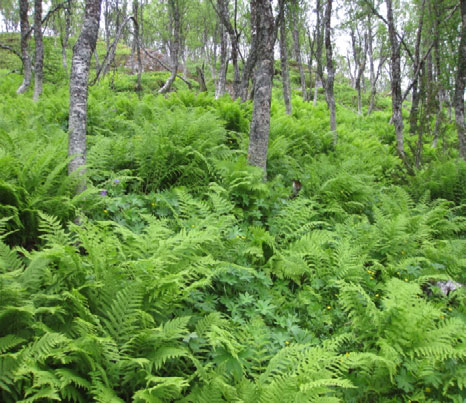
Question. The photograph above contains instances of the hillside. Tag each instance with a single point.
(189, 278)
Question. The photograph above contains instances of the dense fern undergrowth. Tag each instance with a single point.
(190, 279)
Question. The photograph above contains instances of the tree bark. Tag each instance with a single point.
(319, 39)
(284, 66)
(223, 14)
(64, 38)
(222, 75)
(260, 123)
(413, 116)
(25, 32)
(309, 63)
(297, 47)
(39, 50)
(397, 96)
(360, 71)
(136, 42)
(82, 53)
(175, 45)
(250, 61)
(460, 85)
(330, 71)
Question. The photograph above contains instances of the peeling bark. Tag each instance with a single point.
(82, 53)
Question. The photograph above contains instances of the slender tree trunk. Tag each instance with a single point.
(360, 72)
(223, 14)
(27, 68)
(220, 88)
(330, 71)
(175, 46)
(397, 96)
(297, 47)
(39, 50)
(413, 116)
(309, 64)
(284, 65)
(82, 53)
(137, 41)
(250, 61)
(319, 39)
(103, 69)
(64, 38)
(260, 123)
(460, 85)
(370, 48)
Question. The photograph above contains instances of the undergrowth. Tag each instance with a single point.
(190, 279)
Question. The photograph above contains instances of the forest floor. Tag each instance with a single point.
(190, 279)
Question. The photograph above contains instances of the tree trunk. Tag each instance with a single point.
(460, 85)
(309, 63)
(27, 68)
(297, 47)
(284, 65)
(413, 116)
(330, 71)
(39, 50)
(82, 53)
(370, 48)
(260, 123)
(397, 96)
(220, 88)
(250, 61)
(65, 38)
(136, 44)
(175, 45)
(319, 39)
(201, 79)
(222, 12)
(360, 71)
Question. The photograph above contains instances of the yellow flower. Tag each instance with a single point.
(329, 307)
(377, 295)
(347, 354)
(105, 211)
(372, 278)
(287, 342)
(406, 279)
(427, 390)
(450, 308)
(152, 204)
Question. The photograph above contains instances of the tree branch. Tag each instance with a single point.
(12, 50)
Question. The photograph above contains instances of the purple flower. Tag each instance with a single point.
(116, 181)
(103, 192)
